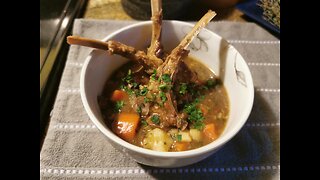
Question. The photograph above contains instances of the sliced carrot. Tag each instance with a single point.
(126, 125)
(118, 95)
(210, 131)
(181, 146)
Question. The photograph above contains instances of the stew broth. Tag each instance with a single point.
(204, 107)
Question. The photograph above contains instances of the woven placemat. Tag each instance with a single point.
(75, 149)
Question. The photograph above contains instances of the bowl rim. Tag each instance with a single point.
(189, 153)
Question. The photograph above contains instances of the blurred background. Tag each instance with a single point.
(57, 17)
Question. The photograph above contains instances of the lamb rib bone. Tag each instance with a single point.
(178, 53)
(114, 47)
(170, 66)
(155, 51)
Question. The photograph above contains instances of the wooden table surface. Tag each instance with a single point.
(113, 9)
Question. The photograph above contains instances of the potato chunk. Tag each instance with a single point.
(173, 133)
(195, 135)
(157, 140)
(185, 136)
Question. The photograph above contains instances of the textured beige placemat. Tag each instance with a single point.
(75, 149)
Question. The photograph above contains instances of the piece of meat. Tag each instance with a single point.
(140, 77)
(170, 67)
(183, 75)
(166, 114)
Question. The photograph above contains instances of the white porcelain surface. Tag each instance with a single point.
(208, 47)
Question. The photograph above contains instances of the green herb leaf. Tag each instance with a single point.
(128, 90)
(192, 89)
(163, 96)
(123, 87)
(183, 88)
(119, 105)
(146, 100)
(153, 75)
(144, 122)
(139, 110)
(179, 137)
(198, 125)
(166, 78)
(128, 77)
(204, 88)
(155, 119)
(195, 116)
(163, 87)
(144, 91)
(134, 84)
(211, 83)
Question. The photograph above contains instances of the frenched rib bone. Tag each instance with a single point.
(114, 47)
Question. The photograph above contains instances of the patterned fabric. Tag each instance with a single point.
(75, 149)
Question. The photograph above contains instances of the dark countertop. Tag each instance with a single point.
(113, 9)
(56, 19)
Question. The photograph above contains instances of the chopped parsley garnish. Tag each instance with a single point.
(211, 83)
(146, 100)
(144, 122)
(139, 110)
(195, 115)
(166, 78)
(153, 75)
(127, 89)
(197, 100)
(163, 87)
(119, 105)
(179, 137)
(134, 84)
(144, 91)
(183, 88)
(204, 88)
(163, 96)
(194, 90)
(155, 119)
(123, 87)
(128, 77)
(129, 85)
(198, 125)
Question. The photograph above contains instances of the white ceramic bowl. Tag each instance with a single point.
(211, 49)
